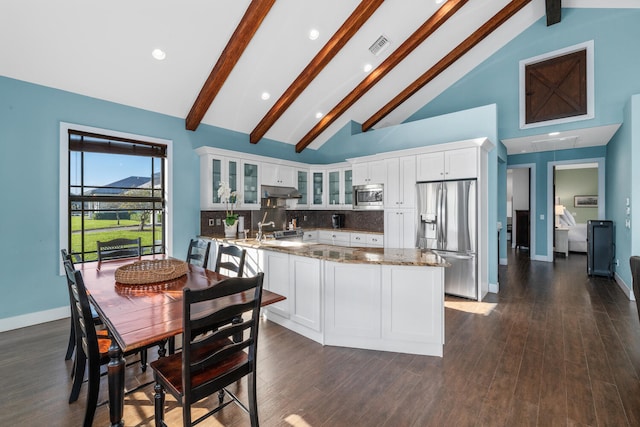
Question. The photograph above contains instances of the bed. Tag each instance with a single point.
(577, 232)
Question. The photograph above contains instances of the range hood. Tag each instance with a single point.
(277, 192)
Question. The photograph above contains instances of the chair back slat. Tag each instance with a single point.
(210, 311)
(198, 253)
(234, 258)
(119, 248)
(81, 310)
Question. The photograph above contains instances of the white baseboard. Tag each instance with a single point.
(503, 261)
(494, 288)
(31, 319)
(623, 286)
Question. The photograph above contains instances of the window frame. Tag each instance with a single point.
(64, 179)
(589, 47)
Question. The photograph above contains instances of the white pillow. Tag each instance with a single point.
(570, 219)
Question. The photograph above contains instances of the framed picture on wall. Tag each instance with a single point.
(585, 201)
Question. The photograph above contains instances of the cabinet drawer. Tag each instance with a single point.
(358, 239)
(339, 238)
(375, 240)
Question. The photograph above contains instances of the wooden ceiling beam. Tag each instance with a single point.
(356, 20)
(445, 11)
(487, 28)
(244, 32)
(554, 11)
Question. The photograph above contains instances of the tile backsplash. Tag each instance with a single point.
(353, 220)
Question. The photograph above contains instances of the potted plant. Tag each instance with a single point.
(229, 198)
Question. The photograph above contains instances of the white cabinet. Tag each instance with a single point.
(276, 279)
(302, 184)
(400, 187)
(213, 170)
(452, 164)
(400, 228)
(412, 306)
(366, 240)
(375, 240)
(352, 303)
(280, 175)
(340, 187)
(310, 236)
(330, 237)
(317, 189)
(304, 274)
(250, 195)
(369, 173)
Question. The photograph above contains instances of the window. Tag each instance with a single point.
(115, 188)
(557, 87)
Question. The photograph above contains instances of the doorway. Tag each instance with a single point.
(521, 207)
(576, 195)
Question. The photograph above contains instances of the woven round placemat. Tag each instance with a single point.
(151, 271)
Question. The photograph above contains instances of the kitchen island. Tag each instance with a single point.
(372, 298)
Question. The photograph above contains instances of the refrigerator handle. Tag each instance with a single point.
(443, 211)
(439, 218)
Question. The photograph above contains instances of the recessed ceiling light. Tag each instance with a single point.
(314, 34)
(367, 67)
(265, 96)
(554, 133)
(159, 54)
(319, 115)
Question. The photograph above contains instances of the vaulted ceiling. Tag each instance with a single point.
(222, 56)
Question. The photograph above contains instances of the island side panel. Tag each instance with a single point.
(390, 307)
(413, 309)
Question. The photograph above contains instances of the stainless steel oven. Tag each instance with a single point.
(369, 196)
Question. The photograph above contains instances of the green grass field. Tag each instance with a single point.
(105, 230)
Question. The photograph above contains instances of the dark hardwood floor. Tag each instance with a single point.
(554, 347)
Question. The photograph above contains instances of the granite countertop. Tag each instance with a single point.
(387, 256)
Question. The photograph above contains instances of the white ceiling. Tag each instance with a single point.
(103, 50)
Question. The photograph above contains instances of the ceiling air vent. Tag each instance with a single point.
(379, 45)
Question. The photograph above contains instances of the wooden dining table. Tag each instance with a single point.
(138, 316)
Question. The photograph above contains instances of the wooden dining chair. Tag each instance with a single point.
(233, 261)
(92, 345)
(634, 262)
(71, 346)
(210, 360)
(119, 248)
(198, 253)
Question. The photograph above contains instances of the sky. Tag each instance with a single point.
(103, 169)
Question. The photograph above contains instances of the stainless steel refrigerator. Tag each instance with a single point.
(447, 224)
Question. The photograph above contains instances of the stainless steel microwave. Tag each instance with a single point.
(370, 196)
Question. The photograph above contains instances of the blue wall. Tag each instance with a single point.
(623, 181)
(30, 117)
(615, 33)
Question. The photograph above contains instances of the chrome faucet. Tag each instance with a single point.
(260, 235)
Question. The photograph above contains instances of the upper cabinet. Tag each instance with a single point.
(250, 197)
(317, 199)
(302, 184)
(213, 171)
(444, 165)
(369, 172)
(400, 187)
(280, 175)
(340, 187)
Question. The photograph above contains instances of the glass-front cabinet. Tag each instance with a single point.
(317, 188)
(348, 187)
(340, 187)
(334, 188)
(251, 190)
(303, 187)
(241, 176)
